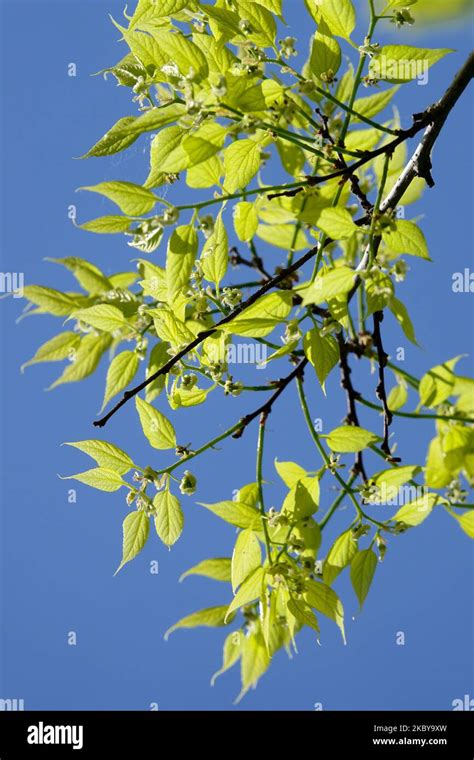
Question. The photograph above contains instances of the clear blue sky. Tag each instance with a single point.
(58, 558)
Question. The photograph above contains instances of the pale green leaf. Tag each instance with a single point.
(246, 557)
(219, 569)
(249, 591)
(363, 568)
(322, 352)
(211, 617)
(245, 220)
(169, 518)
(406, 237)
(157, 428)
(350, 438)
(241, 163)
(236, 513)
(130, 198)
(106, 455)
(100, 478)
(121, 372)
(136, 528)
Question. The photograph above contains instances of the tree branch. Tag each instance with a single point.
(352, 395)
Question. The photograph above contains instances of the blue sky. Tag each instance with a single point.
(58, 558)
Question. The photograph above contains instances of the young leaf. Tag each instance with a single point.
(417, 511)
(400, 313)
(466, 521)
(169, 518)
(322, 352)
(303, 498)
(105, 454)
(102, 317)
(254, 661)
(157, 428)
(340, 16)
(397, 398)
(245, 220)
(241, 163)
(337, 223)
(107, 225)
(339, 556)
(231, 654)
(325, 53)
(371, 105)
(56, 349)
(350, 438)
(218, 569)
(215, 254)
(262, 317)
(363, 567)
(246, 557)
(289, 472)
(211, 617)
(437, 474)
(250, 590)
(50, 300)
(131, 199)
(402, 63)
(121, 372)
(303, 614)
(180, 258)
(100, 478)
(406, 237)
(395, 476)
(325, 600)
(85, 359)
(136, 528)
(335, 282)
(236, 513)
(438, 384)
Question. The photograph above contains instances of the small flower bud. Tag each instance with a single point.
(188, 483)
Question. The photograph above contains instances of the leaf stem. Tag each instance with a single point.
(260, 442)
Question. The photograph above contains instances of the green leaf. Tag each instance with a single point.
(395, 476)
(406, 237)
(50, 300)
(100, 478)
(85, 360)
(241, 163)
(397, 398)
(437, 474)
(337, 223)
(402, 63)
(250, 590)
(350, 438)
(438, 384)
(215, 253)
(169, 7)
(283, 236)
(416, 511)
(325, 600)
(169, 518)
(136, 528)
(322, 352)
(262, 317)
(231, 654)
(157, 428)
(372, 104)
(303, 614)
(303, 498)
(102, 317)
(128, 129)
(289, 472)
(130, 198)
(105, 454)
(262, 23)
(183, 53)
(205, 174)
(158, 358)
(363, 568)
(121, 372)
(400, 312)
(339, 15)
(325, 53)
(335, 282)
(211, 617)
(245, 220)
(167, 153)
(205, 142)
(254, 662)
(87, 274)
(107, 225)
(58, 348)
(218, 569)
(236, 513)
(180, 258)
(339, 556)
(466, 521)
(246, 557)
